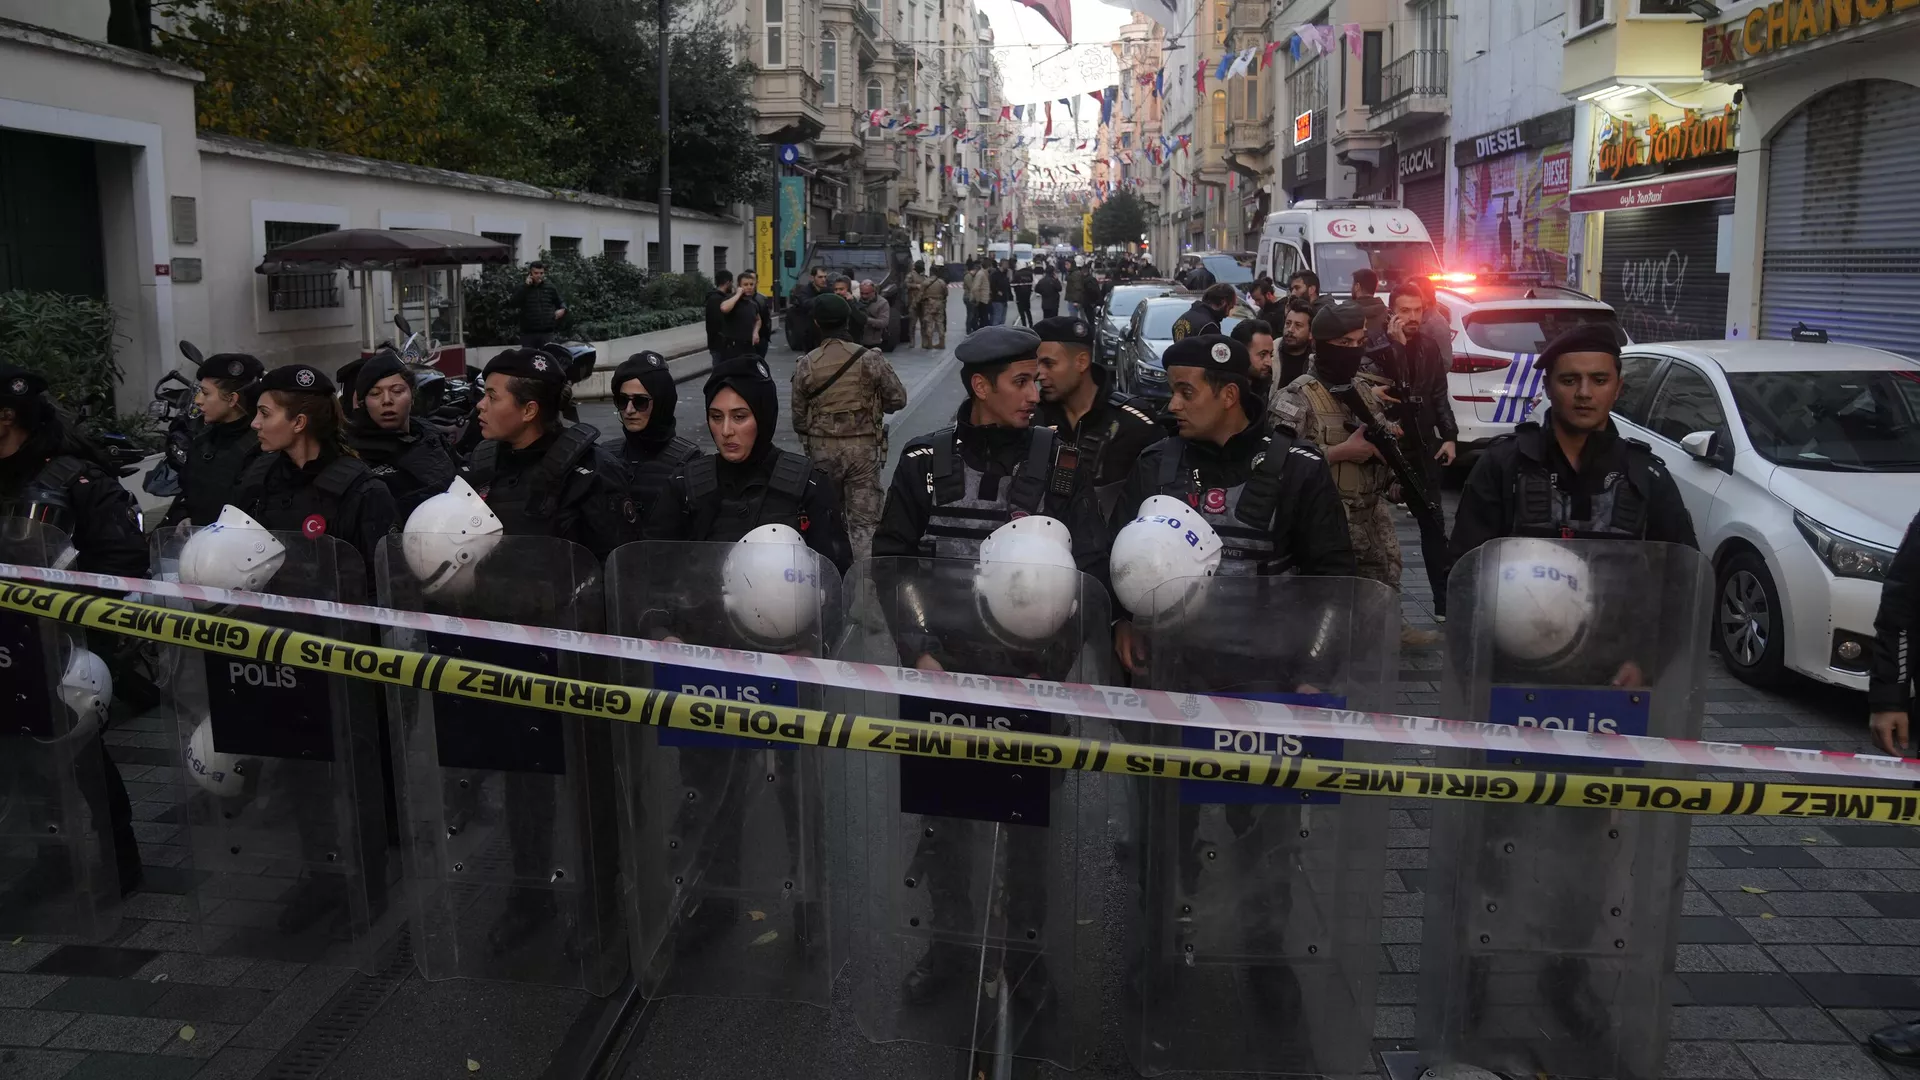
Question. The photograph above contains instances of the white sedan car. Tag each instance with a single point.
(1499, 325)
(1800, 463)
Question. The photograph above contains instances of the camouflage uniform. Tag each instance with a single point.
(930, 309)
(1307, 408)
(840, 423)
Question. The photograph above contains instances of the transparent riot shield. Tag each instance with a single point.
(285, 806)
(57, 861)
(511, 828)
(1550, 931)
(726, 877)
(1255, 938)
(978, 921)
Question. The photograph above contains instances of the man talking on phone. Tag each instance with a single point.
(540, 307)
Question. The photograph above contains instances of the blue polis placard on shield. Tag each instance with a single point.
(753, 690)
(1584, 709)
(1205, 792)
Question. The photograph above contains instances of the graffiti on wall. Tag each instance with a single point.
(1513, 213)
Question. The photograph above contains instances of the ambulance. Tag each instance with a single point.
(1335, 237)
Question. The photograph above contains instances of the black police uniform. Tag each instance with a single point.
(1109, 438)
(715, 500)
(654, 453)
(63, 480)
(1196, 320)
(1890, 676)
(415, 463)
(335, 494)
(951, 490)
(1269, 497)
(217, 454)
(1523, 485)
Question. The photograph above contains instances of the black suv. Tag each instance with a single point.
(885, 259)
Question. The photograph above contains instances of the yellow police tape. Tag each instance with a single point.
(665, 708)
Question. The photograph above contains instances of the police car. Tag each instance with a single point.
(1499, 324)
(1799, 462)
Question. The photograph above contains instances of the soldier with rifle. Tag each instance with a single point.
(1416, 397)
(1340, 410)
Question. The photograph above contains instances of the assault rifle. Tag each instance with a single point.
(1388, 444)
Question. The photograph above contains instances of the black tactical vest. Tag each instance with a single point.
(1618, 510)
(46, 498)
(773, 498)
(1242, 515)
(527, 501)
(216, 459)
(294, 508)
(963, 517)
(647, 476)
(413, 468)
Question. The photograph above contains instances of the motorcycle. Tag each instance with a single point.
(172, 405)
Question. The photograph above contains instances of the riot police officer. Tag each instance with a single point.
(307, 479)
(1572, 474)
(541, 476)
(224, 444)
(1268, 496)
(412, 459)
(953, 487)
(1106, 429)
(49, 473)
(644, 396)
(748, 482)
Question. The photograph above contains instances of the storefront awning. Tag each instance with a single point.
(1703, 186)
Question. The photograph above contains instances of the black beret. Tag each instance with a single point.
(17, 382)
(1334, 321)
(376, 367)
(997, 345)
(527, 364)
(638, 366)
(1214, 352)
(230, 365)
(295, 378)
(831, 310)
(1587, 337)
(1070, 329)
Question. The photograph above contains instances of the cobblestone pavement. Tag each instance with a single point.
(1797, 938)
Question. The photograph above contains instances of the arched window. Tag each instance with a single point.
(874, 96)
(1220, 116)
(829, 68)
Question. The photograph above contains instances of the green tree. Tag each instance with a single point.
(1119, 220)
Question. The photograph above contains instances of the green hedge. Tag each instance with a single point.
(69, 340)
(606, 298)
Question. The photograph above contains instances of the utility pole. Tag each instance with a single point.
(666, 182)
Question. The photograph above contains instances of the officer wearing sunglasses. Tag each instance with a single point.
(644, 396)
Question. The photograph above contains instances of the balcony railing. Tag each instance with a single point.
(1420, 73)
(1307, 89)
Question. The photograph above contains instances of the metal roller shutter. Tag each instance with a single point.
(1428, 201)
(1841, 248)
(1657, 270)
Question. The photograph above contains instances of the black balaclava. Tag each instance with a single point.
(1336, 365)
(651, 369)
(748, 376)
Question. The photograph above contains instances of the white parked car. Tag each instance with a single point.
(1499, 327)
(1800, 463)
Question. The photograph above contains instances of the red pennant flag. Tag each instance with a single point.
(1266, 58)
(1058, 13)
(1049, 130)
(1200, 77)
(1006, 112)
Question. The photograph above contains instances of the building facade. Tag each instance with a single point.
(1825, 229)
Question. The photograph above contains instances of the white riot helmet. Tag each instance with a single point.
(235, 552)
(447, 536)
(770, 585)
(1168, 541)
(1027, 584)
(224, 775)
(1541, 600)
(87, 689)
